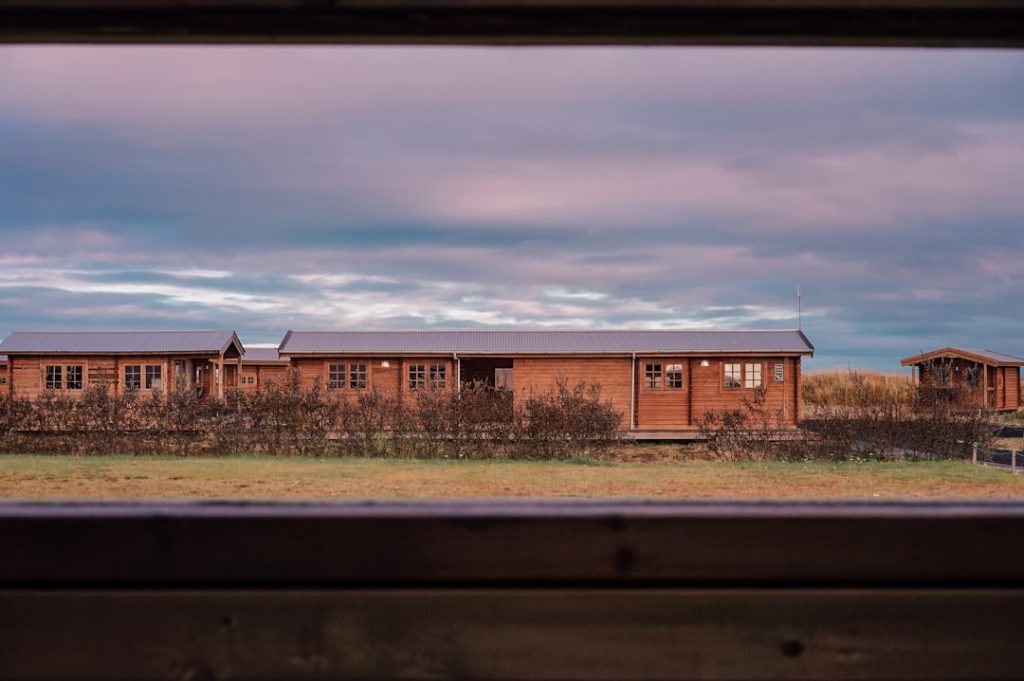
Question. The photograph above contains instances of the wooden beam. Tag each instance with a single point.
(494, 633)
(540, 542)
(986, 23)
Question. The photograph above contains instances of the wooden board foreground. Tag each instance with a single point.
(511, 590)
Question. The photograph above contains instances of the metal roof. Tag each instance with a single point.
(543, 342)
(263, 355)
(987, 356)
(119, 342)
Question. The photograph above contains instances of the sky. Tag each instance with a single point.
(271, 188)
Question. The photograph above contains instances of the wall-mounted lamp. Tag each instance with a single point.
(705, 363)
(385, 364)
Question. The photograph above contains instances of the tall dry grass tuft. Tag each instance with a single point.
(855, 388)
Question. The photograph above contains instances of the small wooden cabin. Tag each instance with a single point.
(261, 366)
(658, 380)
(978, 378)
(146, 361)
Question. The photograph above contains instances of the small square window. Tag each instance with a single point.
(417, 376)
(652, 376)
(53, 378)
(154, 377)
(438, 375)
(733, 375)
(673, 376)
(752, 377)
(357, 376)
(133, 377)
(335, 376)
(73, 379)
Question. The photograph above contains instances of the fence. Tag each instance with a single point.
(997, 458)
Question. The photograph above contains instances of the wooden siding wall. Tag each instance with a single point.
(541, 375)
(664, 409)
(27, 375)
(392, 379)
(710, 393)
(262, 374)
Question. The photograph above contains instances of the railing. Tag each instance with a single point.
(501, 590)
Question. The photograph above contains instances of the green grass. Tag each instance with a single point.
(28, 476)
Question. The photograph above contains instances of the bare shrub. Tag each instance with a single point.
(567, 422)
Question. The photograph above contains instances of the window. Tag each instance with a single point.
(417, 376)
(357, 376)
(733, 376)
(248, 380)
(972, 377)
(674, 376)
(652, 376)
(752, 379)
(3, 380)
(53, 378)
(73, 379)
(335, 376)
(154, 378)
(780, 373)
(438, 375)
(133, 377)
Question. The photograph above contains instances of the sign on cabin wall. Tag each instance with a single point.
(779, 373)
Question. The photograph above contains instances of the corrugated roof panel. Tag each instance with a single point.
(263, 355)
(542, 342)
(992, 355)
(116, 342)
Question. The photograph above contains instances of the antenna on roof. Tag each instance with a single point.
(799, 310)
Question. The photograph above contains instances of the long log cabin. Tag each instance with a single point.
(658, 380)
(978, 378)
(146, 361)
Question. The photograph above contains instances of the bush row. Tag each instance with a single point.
(852, 415)
(286, 418)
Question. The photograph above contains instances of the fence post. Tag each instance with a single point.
(974, 452)
(1013, 461)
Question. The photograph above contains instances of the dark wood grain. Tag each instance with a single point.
(508, 542)
(790, 22)
(522, 634)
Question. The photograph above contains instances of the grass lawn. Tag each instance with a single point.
(61, 477)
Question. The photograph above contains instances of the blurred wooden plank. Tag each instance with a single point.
(531, 634)
(527, 542)
(686, 22)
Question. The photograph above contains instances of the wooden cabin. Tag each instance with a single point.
(261, 366)
(658, 380)
(977, 378)
(145, 361)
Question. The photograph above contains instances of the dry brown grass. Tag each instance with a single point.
(26, 476)
(853, 388)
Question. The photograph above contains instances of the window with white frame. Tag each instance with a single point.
(733, 375)
(54, 376)
(154, 377)
(752, 376)
(133, 377)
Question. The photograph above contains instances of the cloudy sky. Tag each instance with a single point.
(262, 189)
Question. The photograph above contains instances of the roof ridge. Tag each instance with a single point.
(618, 330)
(98, 331)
